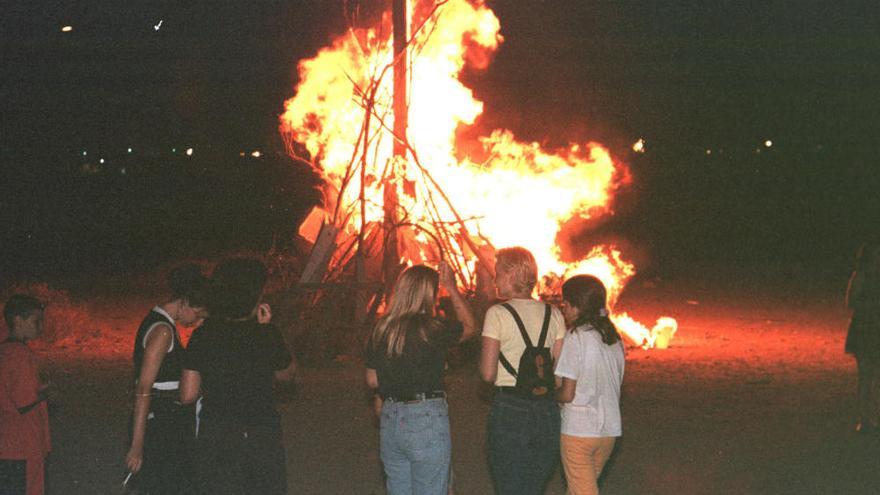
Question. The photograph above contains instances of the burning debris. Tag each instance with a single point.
(401, 194)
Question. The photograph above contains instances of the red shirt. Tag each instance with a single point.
(22, 436)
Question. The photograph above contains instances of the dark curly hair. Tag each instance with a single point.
(188, 282)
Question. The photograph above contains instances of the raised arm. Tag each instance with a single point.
(462, 309)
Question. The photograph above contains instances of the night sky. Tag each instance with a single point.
(687, 76)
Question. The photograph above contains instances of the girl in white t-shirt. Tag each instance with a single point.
(589, 374)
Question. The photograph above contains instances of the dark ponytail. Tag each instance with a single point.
(587, 294)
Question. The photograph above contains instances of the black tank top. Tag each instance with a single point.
(170, 369)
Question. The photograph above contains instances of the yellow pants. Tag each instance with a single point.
(583, 459)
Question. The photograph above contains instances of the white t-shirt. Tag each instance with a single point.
(500, 325)
(598, 369)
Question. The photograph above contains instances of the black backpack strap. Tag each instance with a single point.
(509, 367)
(519, 323)
(545, 327)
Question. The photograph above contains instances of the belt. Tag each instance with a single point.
(415, 398)
(508, 390)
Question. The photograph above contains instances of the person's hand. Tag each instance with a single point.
(447, 277)
(134, 459)
(377, 405)
(264, 313)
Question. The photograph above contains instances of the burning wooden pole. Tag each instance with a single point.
(391, 255)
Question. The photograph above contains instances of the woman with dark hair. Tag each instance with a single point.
(405, 361)
(863, 336)
(160, 424)
(589, 374)
(232, 361)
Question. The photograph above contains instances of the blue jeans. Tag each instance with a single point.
(523, 444)
(415, 447)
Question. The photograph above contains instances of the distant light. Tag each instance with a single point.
(123, 171)
(129, 150)
(256, 154)
(241, 153)
(639, 146)
(101, 160)
(758, 150)
(768, 143)
(174, 150)
(708, 152)
(158, 26)
(189, 152)
(85, 152)
(66, 29)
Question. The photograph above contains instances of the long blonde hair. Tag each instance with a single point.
(412, 303)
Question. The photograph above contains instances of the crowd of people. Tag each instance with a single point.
(556, 374)
(204, 418)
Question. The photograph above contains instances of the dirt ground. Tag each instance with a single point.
(754, 395)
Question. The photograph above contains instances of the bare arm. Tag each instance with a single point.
(854, 289)
(557, 349)
(462, 309)
(155, 349)
(565, 392)
(489, 359)
(373, 383)
(190, 386)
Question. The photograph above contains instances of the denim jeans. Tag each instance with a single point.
(523, 444)
(415, 447)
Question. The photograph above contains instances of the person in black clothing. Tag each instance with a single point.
(232, 361)
(863, 335)
(405, 361)
(160, 425)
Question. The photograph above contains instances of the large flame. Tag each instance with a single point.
(520, 194)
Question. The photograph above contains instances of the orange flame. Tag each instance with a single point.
(520, 195)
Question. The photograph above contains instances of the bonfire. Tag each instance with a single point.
(377, 112)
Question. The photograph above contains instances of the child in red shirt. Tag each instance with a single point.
(24, 417)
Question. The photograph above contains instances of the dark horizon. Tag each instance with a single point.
(680, 72)
(684, 76)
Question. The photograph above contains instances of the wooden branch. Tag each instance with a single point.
(322, 250)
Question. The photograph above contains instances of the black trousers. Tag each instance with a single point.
(13, 477)
(168, 445)
(233, 459)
